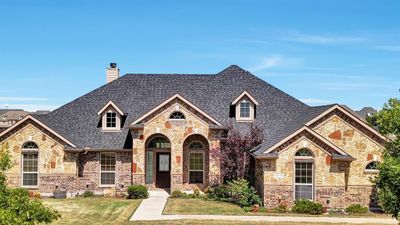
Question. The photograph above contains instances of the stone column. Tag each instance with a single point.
(138, 157)
(177, 165)
(214, 165)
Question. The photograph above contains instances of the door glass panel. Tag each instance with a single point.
(163, 163)
(149, 167)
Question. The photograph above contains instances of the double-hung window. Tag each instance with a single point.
(303, 180)
(196, 167)
(30, 161)
(111, 119)
(107, 170)
(244, 109)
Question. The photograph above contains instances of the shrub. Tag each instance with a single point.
(281, 208)
(177, 194)
(241, 194)
(306, 206)
(137, 192)
(196, 193)
(356, 208)
(88, 194)
(247, 208)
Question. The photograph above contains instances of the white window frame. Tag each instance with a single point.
(189, 170)
(182, 119)
(108, 171)
(115, 118)
(29, 151)
(304, 184)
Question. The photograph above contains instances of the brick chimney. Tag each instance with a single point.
(112, 73)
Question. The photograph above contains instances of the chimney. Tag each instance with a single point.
(112, 73)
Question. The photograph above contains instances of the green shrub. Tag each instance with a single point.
(88, 194)
(177, 194)
(247, 208)
(356, 208)
(241, 194)
(196, 193)
(137, 192)
(306, 206)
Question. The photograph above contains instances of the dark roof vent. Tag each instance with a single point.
(113, 65)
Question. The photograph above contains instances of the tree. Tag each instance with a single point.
(234, 152)
(15, 205)
(387, 181)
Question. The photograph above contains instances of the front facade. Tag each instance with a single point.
(165, 131)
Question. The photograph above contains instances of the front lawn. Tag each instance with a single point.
(97, 210)
(203, 207)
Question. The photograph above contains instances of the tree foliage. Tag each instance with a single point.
(15, 205)
(234, 153)
(388, 180)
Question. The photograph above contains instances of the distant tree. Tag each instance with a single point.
(234, 153)
(387, 181)
(15, 205)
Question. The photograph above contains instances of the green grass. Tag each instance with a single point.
(98, 210)
(219, 222)
(212, 207)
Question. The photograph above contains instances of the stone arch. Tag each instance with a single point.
(196, 143)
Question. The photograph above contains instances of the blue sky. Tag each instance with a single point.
(321, 52)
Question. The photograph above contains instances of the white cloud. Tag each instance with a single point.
(392, 48)
(323, 39)
(29, 107)
(22, 99)
(315, 101)
(275, 61)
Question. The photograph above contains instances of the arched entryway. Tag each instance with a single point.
(158, 161)
(196, 161)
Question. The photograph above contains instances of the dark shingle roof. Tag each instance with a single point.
(135, 94)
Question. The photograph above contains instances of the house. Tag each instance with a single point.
(8, 117)
(159, 130)
(366, 112)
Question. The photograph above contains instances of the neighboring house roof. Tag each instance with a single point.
(366, 111)
(12, 114)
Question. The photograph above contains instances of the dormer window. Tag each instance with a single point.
(111, 117)
(244, 108)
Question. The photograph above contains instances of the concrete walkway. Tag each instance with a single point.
(152, 209)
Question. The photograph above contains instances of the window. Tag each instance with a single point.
(303, 180)
(244, 109)
(196, 167)
(159, 142)
(107, 170)
(304, 153)
(30, 172)
(111, 119)
(177, 116)
(196, 145)
(149, 167)
(372, 167)
(30, 169)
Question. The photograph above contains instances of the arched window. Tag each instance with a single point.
(30, 145)
(177, 116)
(159, 142)
(304, 152)
(196, 145)
(372, 167)
(30, 172)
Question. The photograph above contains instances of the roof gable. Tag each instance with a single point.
(113, 105)
(245, 93)
(169, 100)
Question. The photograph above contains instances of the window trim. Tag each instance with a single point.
(312, 176)
(104, 117)
(203, 170)
(251, 116)
(33, 151)
(111, 115)
(245, 107)
(115, 171)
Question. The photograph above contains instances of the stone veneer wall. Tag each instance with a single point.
(339, 183)
(176, 132)
(56, 167)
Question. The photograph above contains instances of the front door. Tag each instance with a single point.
(163, 176)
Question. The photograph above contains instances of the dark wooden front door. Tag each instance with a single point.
(163, 176)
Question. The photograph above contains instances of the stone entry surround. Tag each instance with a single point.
(177, 132)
